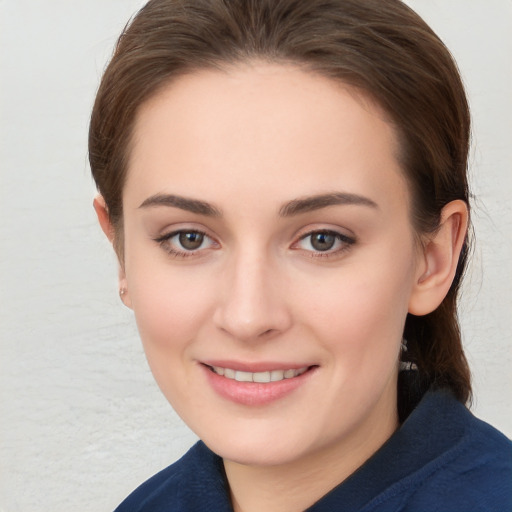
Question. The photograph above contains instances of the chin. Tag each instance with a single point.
(266, 453)
(259, 445)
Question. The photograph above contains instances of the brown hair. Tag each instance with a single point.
(381, 47)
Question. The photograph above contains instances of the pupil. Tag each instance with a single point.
(323, 241)
(191, 241)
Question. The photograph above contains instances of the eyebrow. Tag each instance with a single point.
(317, 202)
(294, 207)
(184, 203)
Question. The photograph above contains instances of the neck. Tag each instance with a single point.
(295, 486)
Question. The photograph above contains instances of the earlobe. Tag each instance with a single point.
(440, 256)
(123, 289)
(101, 210)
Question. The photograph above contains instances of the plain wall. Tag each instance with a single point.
(81, 420)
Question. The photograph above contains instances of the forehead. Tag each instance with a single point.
(265, 127)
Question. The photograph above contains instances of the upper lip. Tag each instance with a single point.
(255, 367)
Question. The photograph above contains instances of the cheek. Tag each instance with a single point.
(171, 304)
(360, 309)
(170, 312)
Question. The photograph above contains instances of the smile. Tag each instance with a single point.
(269, 383)
(260, 377)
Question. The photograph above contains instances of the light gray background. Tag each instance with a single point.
(81, 421)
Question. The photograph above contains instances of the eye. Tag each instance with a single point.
(190, 241)
(184, 243)
(324, 241)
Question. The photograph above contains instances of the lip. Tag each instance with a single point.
(254, 367)
(254, 393)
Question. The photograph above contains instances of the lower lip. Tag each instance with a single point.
(254, 393)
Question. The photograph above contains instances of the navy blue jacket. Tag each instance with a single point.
(442, 459)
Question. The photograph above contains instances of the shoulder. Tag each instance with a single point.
(471, 472)
(195, 479)
(477, 476)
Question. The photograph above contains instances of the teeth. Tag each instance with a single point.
(243, 376)
(229, 373)
(276, 375)
(262, 377)
(218, 370)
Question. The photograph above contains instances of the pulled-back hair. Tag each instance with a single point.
(381, 47)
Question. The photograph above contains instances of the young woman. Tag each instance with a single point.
(284, 183)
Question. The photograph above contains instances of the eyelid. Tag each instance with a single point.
(170, 234)
(164, 241)
(173, 229)
(346, 240)
(313, 228)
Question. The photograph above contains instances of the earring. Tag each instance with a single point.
(122, 291)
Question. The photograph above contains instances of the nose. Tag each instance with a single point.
(252, 303)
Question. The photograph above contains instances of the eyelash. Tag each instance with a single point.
(346, 241)
(164, 242)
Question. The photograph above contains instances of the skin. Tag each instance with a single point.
(250, 141)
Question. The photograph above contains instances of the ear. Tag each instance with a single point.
(100, 207)
(439, 259)
(104, 219)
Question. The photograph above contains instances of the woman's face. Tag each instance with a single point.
(268, 239)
